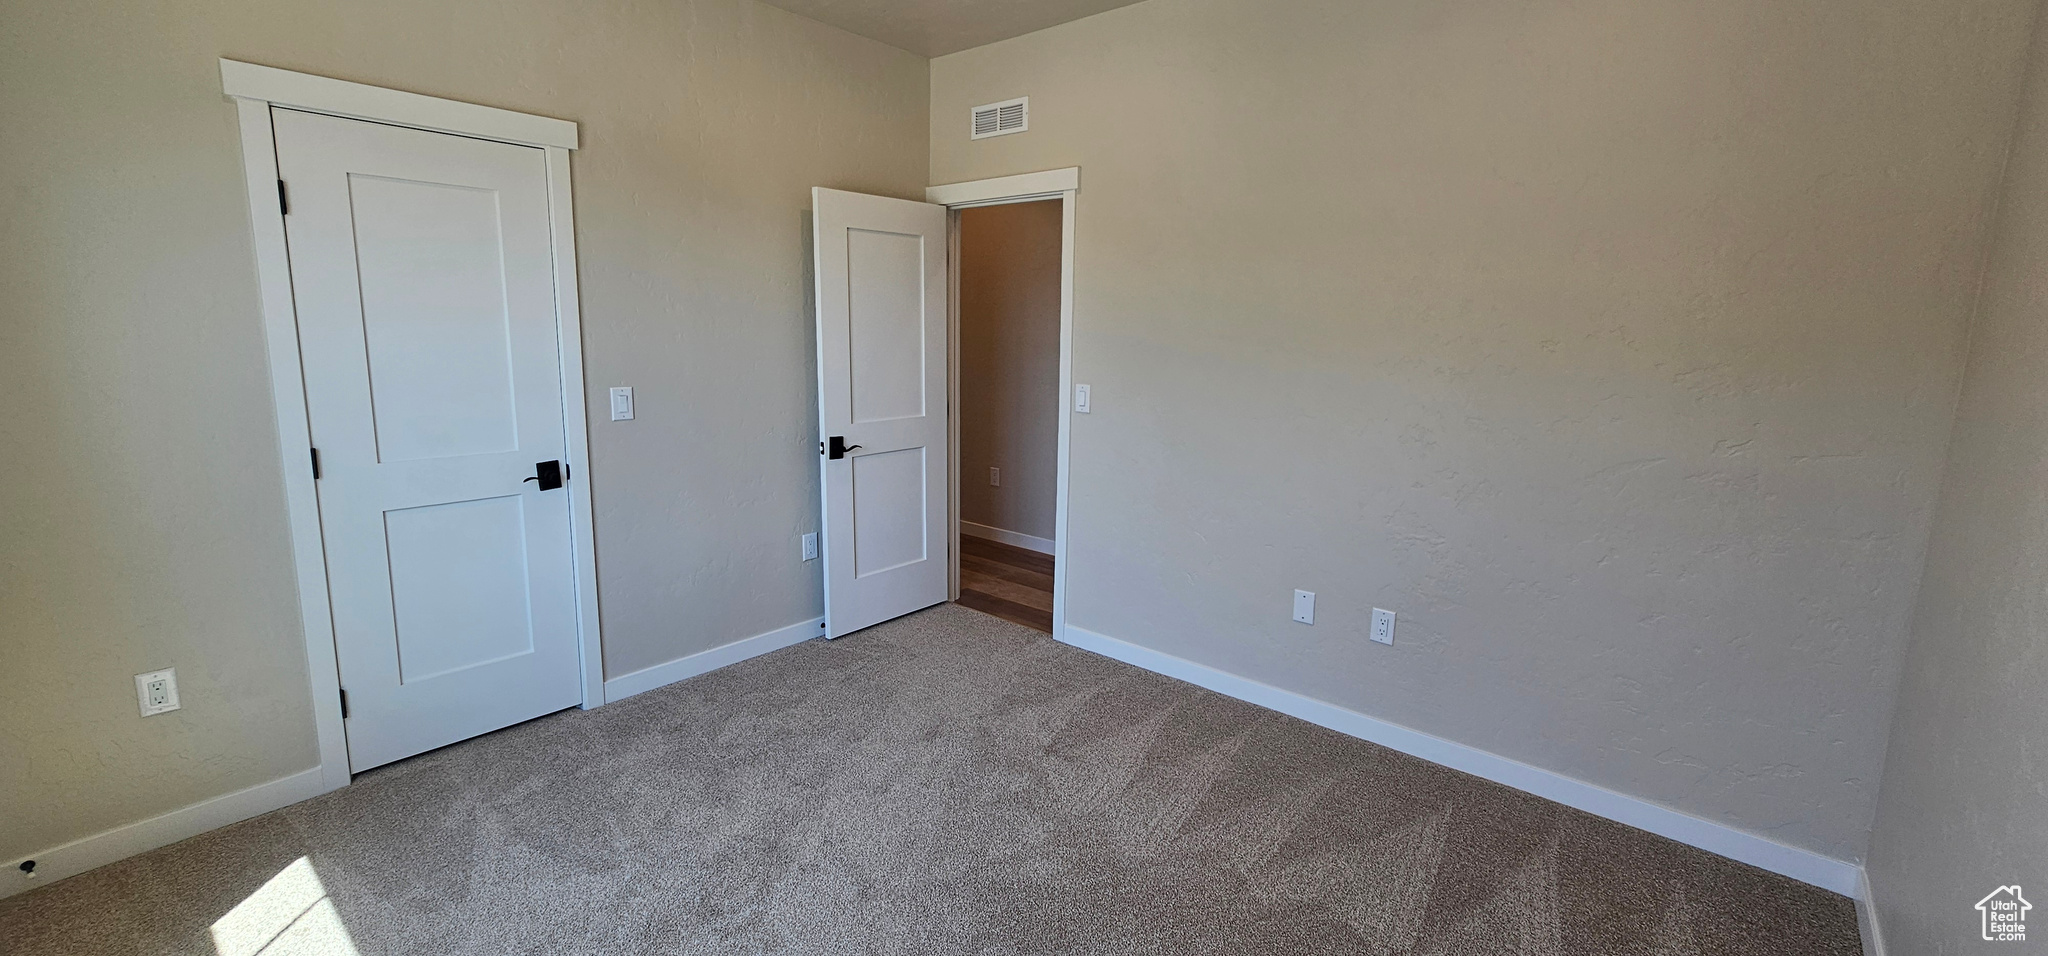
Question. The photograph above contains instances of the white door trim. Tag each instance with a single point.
(1064, 185)
(1024, 187)
(255, 90)
(321, 94)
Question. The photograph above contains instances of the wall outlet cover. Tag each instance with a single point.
(1382, 626)
(157, 691)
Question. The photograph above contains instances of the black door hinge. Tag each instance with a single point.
(284, 201)
(344, 703)
(316, 463)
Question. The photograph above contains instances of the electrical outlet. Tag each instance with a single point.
(995, 477)
(622, 403)
(1382, 626)
(157, 691)
(1305, 607)
(811, 546)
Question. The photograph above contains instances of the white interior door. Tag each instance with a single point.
(423, 282)
(881, 271)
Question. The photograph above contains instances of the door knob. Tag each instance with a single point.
(838, 448)
(548, 473)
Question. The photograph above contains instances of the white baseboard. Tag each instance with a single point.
(703, 662)
(1805, 866)
(1025, 541)
(1866, 915)
(121, 842)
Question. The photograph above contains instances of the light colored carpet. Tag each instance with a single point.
(946, 783)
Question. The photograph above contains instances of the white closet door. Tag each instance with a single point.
(881, 271)
(423, 281)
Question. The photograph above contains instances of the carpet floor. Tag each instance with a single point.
(945, 783)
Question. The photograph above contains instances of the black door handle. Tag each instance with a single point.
(548, 473)
(838, 448)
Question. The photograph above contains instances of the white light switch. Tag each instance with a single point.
(995, 477)
(811, 546)
(622, 403)
(1305, 607)
(1081, 399)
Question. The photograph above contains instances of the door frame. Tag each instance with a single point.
(255, 90)
(1063, 184)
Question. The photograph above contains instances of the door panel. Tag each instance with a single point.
(881, 272)
(458, 585)
(432, 272)
(886, 324)
(890, 502)
(423, 283)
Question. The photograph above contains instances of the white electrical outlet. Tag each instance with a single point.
(811, 546)
(1382, 626)
(995, 477)
(622, 403)
(1081, 399)
(157, 691)
(1305, 607)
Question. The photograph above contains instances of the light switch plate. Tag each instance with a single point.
(995, 477)
(1081, 399)
(811, 546)
(622, 403)
(1305, 607)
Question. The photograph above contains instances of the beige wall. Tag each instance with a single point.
(1010, 364)
(1964, 806)
(142, 515)
(1613, 344)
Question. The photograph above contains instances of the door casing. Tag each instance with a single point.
(1065, 186)
(255, 90)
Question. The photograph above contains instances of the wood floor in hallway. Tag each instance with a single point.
(1009, 582)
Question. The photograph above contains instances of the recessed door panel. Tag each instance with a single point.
(432, 272)
(885, 324)
(458, 585)
(890, 502)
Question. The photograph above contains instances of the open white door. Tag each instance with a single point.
(882, 409)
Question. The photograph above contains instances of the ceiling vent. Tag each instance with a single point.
(1001, 119)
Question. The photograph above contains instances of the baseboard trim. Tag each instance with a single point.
(1866, 915)
(704, 662)
(1805, 866)
(1025, 541)
(164, 829)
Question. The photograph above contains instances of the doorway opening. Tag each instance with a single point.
(1008, 381)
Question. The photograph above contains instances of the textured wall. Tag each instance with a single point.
(142, 519)
(1611, 343)
(1010, 364)
(1964, 805)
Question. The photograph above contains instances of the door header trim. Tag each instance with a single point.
(321, 94)
(1048, 184)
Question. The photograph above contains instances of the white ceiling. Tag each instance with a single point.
(938, 27)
